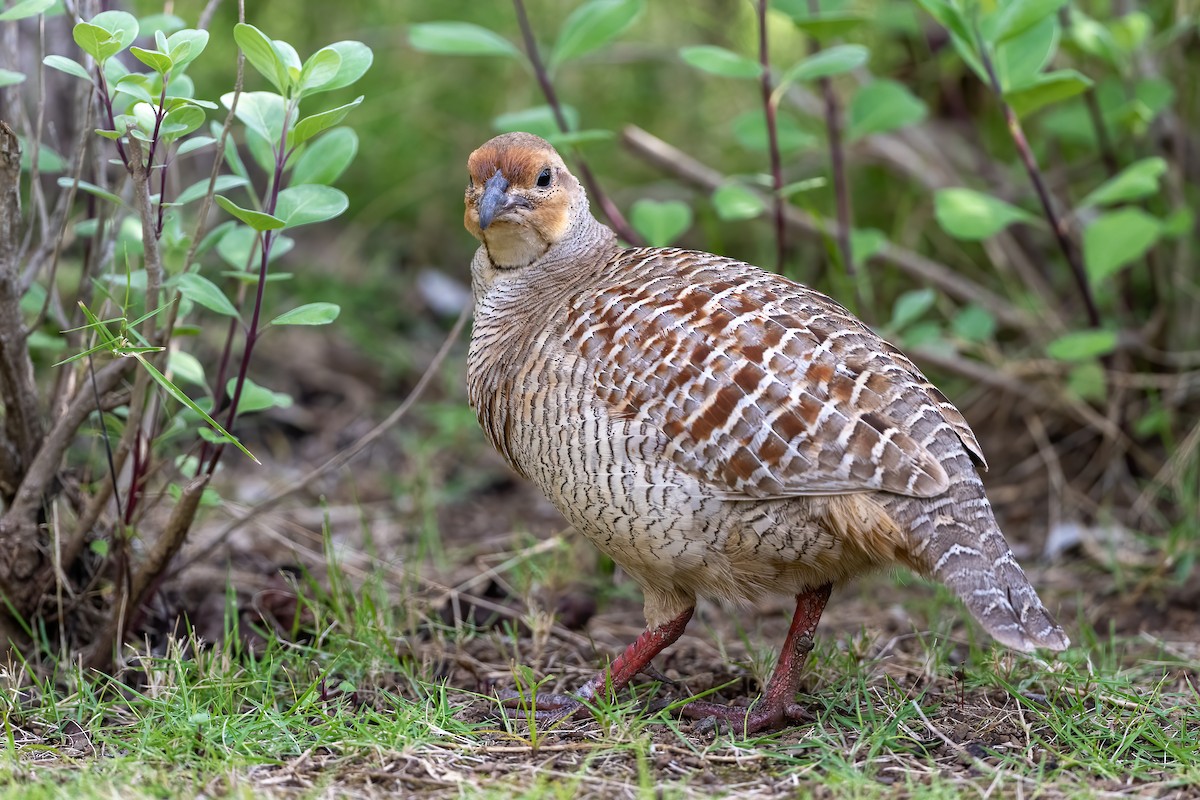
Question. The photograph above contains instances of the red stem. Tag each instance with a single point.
(615, 218)
(772, 137)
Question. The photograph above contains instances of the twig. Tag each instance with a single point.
(365, 441)
(155, 563)
(770, 109)
(18, 389)
(670, 159)
(1058, 222)
(841, 185)
(615, 218)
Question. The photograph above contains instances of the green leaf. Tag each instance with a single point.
(175, 392)
(538, 120)
(911, 306)
(9, 77)
(459, 39)
(1082, 345)
(1020, 60)
(255, 219)
(829, 24)
(194, 143)
(324, 160)
(257, 398)
(950, 18)
(186, 368)
(1045, 89)
(262, 54)
(1117, 238)
(25, 9)
(321, 67)
(202, 291)
(1138, 180)
(971, 215)
(1131, 30)
(181, 122)
(356, 59)
(262, 112)
(975, 324)
(303, 205)
(164, 23)
(200, 188)
(593, 25)
(309, 314)
(866, 243)
(719, 61)
(1178, 223)
(575, 138)
(95, 41)
(90, 188)
(750, 129)
(64, 64)
(1088, 381)
(239, 244)
(185, 46)
(153, 59)
(1021, 15)
(136, 86)
(831, 61)
(660, 223)
(122, 27)
(309, 127)
(48, 160)
(734, 201)
(883, 105)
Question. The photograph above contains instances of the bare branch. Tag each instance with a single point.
(18, 390)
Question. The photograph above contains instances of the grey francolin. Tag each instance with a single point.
(716, 429)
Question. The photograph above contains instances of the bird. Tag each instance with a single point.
(718, 430)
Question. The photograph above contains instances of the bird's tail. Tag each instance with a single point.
(955, 539)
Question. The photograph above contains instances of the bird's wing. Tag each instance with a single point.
(761, 386)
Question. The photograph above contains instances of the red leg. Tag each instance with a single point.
(553, 707)
(778, 702)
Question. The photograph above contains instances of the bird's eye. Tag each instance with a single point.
(543, 179)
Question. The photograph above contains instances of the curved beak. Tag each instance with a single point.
(494, 201)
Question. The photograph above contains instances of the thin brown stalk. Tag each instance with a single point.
(1058, 222)
(18, 389)
(103, 651)
(614, 215)
(837, 162)
(770, 109)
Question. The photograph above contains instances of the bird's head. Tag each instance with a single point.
(521, 199)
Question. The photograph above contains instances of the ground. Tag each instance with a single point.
(349, 645)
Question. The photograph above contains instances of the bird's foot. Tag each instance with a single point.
(759, 717)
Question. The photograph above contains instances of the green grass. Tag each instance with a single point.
(367, 701)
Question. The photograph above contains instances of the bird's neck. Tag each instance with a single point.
(579, 255)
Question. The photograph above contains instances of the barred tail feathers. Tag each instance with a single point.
(955, 538)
